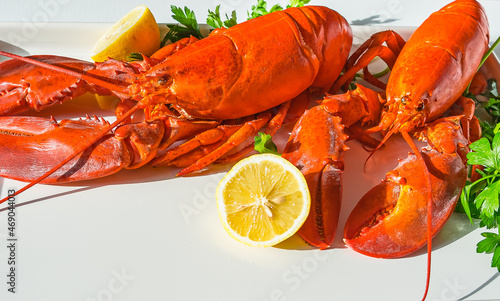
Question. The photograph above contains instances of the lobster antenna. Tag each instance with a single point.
(85, 77)
(382, 142)
(427, 175)
(77, 152)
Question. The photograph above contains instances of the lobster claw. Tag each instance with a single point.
(30, 146)
(24, 86)
(390, 220)
(316, 148)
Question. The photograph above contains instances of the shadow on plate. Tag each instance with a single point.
(144, 174)
(372, 20)
(46, 198)
(457, 227)
(479, 288)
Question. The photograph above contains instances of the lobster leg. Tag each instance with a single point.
(276, 122)
(205, 141)
(366, 53)
(468, 105)
(247, 130)
(391, 219)
(214, 142)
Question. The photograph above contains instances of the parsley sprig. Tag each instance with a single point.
(297, 3)
(490, 244)
(481, 199)
(214, 19)
(492, 107)
(260, 8)
(483, 193)
(188, 26)
(264, 144)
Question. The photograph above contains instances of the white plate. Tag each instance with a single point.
(146, 235)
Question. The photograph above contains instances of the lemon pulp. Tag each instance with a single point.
(263, 200)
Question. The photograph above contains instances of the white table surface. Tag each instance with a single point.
(358, 12)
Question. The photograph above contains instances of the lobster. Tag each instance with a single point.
(428, 75)
(214, 93)
(313, 56)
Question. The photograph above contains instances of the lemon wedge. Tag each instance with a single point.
(137, 31)
(263, 200)
(107, 102)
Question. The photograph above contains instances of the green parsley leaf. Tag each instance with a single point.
(186, 18)
(170, 35)
(264, 144)
(214, 19)
(488, 244)
(480, 199)
(487, 200)
(230, 21)
(463, 206)
(484, 193)
(261, 9)
(188, 26)
(297, 3)
(495, 261)
(483, 153)
(492, 106)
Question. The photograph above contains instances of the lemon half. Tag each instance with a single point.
(263, 200)
(137, 31)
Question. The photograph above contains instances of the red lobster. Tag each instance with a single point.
(428, 76)
(206, 91)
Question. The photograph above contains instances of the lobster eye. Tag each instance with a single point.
(420, 106)
(403, 100)
(163, 81)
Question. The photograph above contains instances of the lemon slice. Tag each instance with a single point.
(137, 31)
(263, 200)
